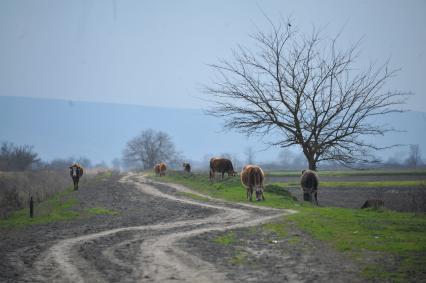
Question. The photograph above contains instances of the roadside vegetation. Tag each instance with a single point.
(24, 175)
(55, 206)
(16, 188)
(388, 245)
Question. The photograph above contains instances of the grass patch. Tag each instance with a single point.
(56, 208)
(294, 240)
(356, 229)
(277, 228)
(227, 239)
(230, 189)
(279, 189)
(101, 176)
(240, 258)
(194, 196)
(370, 237)
(101, 211)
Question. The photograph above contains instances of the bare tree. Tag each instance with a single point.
(304, 91)
(249, 155)
(414, 158)
(149, 148)
(237, 163)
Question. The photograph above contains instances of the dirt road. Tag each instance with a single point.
(150, 241)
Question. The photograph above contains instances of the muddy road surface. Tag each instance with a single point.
(159, 235)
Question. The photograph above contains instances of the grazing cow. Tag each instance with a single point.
(157, 169)
(186, 167)
(163, 169)
(221, 165)
(76, 172)
(252, 177)
(309, 184)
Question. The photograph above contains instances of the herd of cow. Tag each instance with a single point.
(252, 177)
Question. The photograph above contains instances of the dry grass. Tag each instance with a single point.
(17, 187)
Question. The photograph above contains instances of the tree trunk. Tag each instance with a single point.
(312, 164)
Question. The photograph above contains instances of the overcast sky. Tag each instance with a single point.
(155, 52)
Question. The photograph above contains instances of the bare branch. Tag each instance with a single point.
(307, 91)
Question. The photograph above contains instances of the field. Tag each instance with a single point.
(387, 245)
(54, 202)
(402, 190)
(156, 230)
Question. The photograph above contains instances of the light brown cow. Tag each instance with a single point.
(252, 177)
(221, 165)
(163, 169)
(157, 169)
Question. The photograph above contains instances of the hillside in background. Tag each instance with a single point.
(99, 131)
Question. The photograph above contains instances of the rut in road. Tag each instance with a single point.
(158, 259)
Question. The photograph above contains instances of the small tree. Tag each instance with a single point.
(301, 90)
(249, 155)
(414, 158)
(149, 148)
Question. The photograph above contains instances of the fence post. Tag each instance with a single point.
(31, 207)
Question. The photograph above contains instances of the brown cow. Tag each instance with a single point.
(76, 172)
(309, 184)
(186, 167)
(163, 169)
(252, 177)
(157, 169)
(221, 165)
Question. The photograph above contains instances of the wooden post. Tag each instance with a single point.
(31, 207)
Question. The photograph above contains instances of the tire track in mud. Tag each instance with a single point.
(158, 259)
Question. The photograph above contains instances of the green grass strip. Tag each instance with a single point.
(356, 232)
(194, 196)
(56, 208)
(101, 211)
(227, 239)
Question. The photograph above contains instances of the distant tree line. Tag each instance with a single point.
(23, 158)
(60, 163)
(17, 157)
(412, 160)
